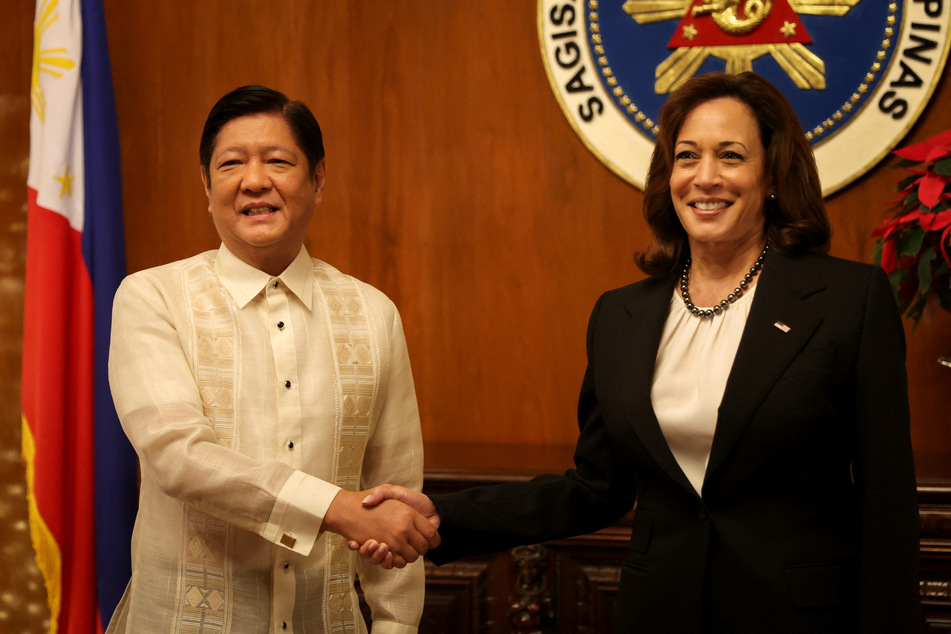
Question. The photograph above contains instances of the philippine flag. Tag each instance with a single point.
(81, 470)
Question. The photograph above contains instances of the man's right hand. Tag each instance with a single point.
(379, 551)
(406, 533)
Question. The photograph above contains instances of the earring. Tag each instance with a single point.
(772, 198)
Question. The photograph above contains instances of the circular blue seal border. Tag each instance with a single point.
(874, 66)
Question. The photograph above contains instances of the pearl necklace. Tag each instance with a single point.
(732, 297)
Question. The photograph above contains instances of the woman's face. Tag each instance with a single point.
(717, 183)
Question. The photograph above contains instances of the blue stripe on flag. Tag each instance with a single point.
(103, 243)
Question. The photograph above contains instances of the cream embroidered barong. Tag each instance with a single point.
(250, 400)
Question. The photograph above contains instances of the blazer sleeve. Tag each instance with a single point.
(883, 469)
(595, 494)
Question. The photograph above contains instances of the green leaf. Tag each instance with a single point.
(943, 166)
(895, 282)
(945, 300)
(908, 180)
(907, 292)
(924, 270)
(912, 239)
(898, 277)
(916, 310)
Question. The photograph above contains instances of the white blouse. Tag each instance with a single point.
(693, 362)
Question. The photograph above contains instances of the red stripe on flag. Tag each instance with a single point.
(57, 394)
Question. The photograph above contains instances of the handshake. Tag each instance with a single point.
(389, 525)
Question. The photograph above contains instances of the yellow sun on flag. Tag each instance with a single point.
(53, 61)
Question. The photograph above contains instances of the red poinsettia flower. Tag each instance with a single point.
(914, 245)
(889, 256)
(930, 187)
(935, 222)
(928, 150)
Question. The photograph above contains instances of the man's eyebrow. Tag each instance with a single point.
(244, 148)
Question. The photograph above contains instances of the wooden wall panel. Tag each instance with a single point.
(455, 185)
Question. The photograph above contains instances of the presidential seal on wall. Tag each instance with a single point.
(859, 72)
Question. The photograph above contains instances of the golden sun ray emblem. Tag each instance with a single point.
(771, 27)
(52, 61)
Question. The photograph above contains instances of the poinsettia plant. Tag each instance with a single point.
(914, 243)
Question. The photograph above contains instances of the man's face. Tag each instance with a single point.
(261, 193)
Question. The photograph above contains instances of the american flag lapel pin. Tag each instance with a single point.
(782, 326)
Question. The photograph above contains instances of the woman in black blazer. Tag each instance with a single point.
(761, 427)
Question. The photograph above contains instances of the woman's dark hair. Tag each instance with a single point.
(252, 100)
(795, 222)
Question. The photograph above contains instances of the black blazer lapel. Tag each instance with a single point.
(778, 327)
(638, 341)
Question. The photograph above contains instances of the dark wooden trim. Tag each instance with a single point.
(575, 583)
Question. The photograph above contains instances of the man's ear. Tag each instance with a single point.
(204, 181)
(320, 178)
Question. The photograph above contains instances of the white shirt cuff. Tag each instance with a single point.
(299, 511)
(390, 627)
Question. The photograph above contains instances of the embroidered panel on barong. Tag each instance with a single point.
(204, 580)
(356, 362)
(205, 583)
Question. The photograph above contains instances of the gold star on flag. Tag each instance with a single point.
(66, 183)
(690, 32)
(788, 29)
